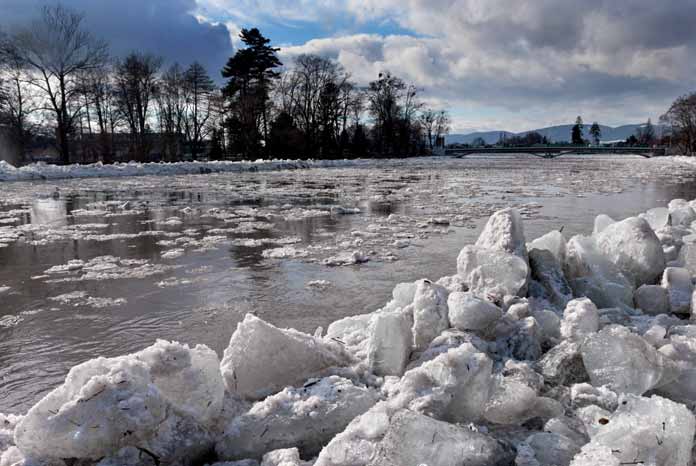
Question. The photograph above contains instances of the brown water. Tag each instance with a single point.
(124, 303)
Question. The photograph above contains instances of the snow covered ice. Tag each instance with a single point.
(548, 353)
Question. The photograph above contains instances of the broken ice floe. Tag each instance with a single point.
(549, 353)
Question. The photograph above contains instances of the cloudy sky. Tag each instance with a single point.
(495, 64)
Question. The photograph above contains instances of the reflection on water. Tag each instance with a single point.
(200, 296)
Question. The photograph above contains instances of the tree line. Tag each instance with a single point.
(58, 82)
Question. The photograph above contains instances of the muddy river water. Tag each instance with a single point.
(102, 267)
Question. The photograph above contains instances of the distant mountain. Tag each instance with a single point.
(553, 133)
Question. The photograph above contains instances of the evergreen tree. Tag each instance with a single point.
(596, 133)
(576, 132)
(646, 134)
(250, 72)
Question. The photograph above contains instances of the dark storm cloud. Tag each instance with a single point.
(162, 27)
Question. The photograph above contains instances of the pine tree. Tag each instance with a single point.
(576, 133)
(251, 71)
(596, 133)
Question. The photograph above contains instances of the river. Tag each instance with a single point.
(102, 267)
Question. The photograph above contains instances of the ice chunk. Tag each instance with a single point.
(347, 258)
(357, 444)
(263, 359)
(513, 402)
(580, 318)
(493, 273)
(563, 365)
(653, 431)
(652, 299)
(682, 216)
(554, 242)
(657, 218)
(550, 324)
(283, 457)
(8, 422)
(601, 222)
(469, 312)
(595, 455)
(552, 449)
(687, 254)
(179, 441)
(682, 350)
(625, 361)
(524, 342)
(584, 394)
(523, 371)
(677, 203)
(390, 343)
(504, 233)
(14, 457)
(677, 282)
(403, 294)
(306, 418)
(104, 405)
(450, 338)
(549, 273)
(454, 386)
(631, 245)
(569, 427)
(414, 439)
(429, 313)
(591, 274)
(188, 378)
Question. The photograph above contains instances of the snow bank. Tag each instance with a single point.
(43, 171)
(544, 353)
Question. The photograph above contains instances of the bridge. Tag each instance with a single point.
(552, 152)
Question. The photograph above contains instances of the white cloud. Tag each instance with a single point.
(524, 60)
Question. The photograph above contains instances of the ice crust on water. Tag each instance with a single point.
(532, 355)
(253, 372)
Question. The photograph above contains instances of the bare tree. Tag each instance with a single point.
(171, 110)
(442, 125)
(200, 89)
(681, 118)
(427, 120)
(136, 89)
(56, 48)
(18, 100)
(100, 107)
